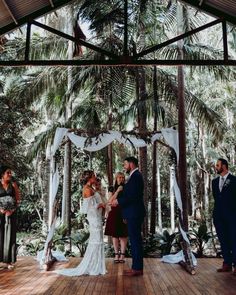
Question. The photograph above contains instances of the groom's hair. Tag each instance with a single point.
(132, 160)
(224, 162)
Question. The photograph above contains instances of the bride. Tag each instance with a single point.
(93, 262)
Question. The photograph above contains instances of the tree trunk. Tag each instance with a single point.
(158, 180)
(142, 127)
(43, 180)
(66, 205)
(110, 147)
(154, 189)
(154, 157)
(66, 201)
(205, 177)
(182, 167)
(172, 199)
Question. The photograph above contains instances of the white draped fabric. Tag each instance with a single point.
(96, 143)
(171, 136)
(93, 262)
(102, 140)
(59, 135)
(176, 258)
(46, 253)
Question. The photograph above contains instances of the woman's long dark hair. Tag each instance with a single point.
(3, 169)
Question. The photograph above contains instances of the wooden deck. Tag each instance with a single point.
(159, 278)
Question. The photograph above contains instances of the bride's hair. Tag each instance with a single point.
(87, 174)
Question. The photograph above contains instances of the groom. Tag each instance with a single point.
(224, 214)
(133, 211)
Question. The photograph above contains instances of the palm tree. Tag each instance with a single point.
(115, 95)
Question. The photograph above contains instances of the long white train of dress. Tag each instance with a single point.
(93, 262)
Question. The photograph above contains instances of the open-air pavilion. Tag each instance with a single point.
(158, 278)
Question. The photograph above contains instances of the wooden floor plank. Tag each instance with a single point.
(152, 279)
(159, 278)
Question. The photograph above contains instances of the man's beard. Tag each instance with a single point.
(127, 170)
(219, 171)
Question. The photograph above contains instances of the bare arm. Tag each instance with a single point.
(115, 195)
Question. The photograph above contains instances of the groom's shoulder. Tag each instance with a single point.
(232, 177)
(137, 173)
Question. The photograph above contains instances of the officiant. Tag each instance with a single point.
(9, 200)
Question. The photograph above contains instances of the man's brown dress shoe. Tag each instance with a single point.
(133, 272)
(225, 268)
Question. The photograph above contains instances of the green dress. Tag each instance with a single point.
(7, 230)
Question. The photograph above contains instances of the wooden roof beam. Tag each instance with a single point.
(120, 62)
(71, 38)
(182, 36)
(225, 40)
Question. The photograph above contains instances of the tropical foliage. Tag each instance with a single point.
(142, 100)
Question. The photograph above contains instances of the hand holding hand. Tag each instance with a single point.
(101, 205)
(114, 203)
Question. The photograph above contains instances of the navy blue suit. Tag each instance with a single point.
(224, 217)
(133, 210)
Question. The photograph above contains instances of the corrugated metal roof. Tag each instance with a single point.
(225, 9)
(15, 13)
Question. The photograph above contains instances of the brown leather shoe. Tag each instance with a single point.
(225, 268)
(133, 272)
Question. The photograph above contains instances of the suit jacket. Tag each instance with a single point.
(225, 200)
(131, 199)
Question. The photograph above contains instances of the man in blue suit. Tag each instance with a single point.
(224, 214)
(133, 211)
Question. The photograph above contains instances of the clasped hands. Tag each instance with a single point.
(113, 201)
(101, 205)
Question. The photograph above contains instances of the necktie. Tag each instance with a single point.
(221, 183)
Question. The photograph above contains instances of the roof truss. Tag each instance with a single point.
(18, 22)
(112, 59)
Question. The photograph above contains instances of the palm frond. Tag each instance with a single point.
(41, 140)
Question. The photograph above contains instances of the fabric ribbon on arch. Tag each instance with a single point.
(92, 144)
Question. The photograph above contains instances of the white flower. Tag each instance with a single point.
(227, 182)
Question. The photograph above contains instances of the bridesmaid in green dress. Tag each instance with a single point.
(9, 200)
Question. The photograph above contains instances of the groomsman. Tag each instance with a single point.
(224, 214)
(133, 211)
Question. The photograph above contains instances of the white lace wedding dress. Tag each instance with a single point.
(93, 262)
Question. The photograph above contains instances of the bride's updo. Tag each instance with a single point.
(86, 175)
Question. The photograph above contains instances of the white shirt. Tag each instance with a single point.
(221, 179)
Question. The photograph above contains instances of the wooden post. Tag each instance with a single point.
(182, 165)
